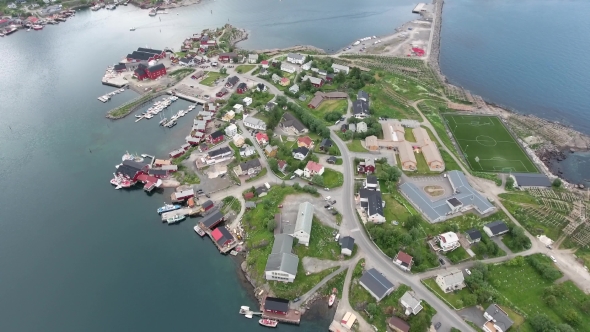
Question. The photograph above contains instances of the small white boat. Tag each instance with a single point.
(132, 29)
(331, 300)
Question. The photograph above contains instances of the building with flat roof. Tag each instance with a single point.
(530, 180)
(464, 198)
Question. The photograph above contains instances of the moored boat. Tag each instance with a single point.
(168, 207)
(199, 230)
(129, 156)
(175, 219)
(268, 322)
(331, 300)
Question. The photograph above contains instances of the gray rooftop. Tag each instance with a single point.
(281, 258)
(464, 193)
(452, 277)
(497, 227)
(347, 242)
(376, 282)
(374, 204)
(531, 180)
(501, 319)
(304, 218)
(296, 56)
(254, 121)
(410, 300)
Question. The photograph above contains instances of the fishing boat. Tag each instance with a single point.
(331, 300)
(268, 322)
(168, 207)
(37, 27)
(129, 156)
(199, 231)
(153, 12)
(175, 219)
(132, 29)
(163, 121)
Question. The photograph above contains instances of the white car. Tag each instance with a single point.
(467, 271)
(328, 198)
(553, 259)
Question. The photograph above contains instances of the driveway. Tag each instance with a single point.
(473, 314)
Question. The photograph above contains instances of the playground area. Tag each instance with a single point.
(487, 145)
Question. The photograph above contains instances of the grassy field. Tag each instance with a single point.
(332, 178)
(487, 144)
(321, 243)
(458, 255)
(244, 68)
(212, 76)
(301, 285)
(326, 107)
(356, 146)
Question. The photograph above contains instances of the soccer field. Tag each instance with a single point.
(487, 145)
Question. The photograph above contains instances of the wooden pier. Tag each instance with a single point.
(181, 212)
(189, 98)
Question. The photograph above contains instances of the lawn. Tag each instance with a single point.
(231, 203)
(457, 255)
(332, 178)
(409, 135)
(321, 243)
(385, 102)
(241, 69)
(487, 144)
(302, 284)
(258, 176)
(455, 299)
(395, 209)
(328, 106)
(211, 77)
(356, 146)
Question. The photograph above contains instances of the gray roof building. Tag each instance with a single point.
(374, 282)
(442, 209)
(347, 242)
(212, 219)
(495, 228)
(360, 108)
(528, 180)
(362, 95)
(372, 202)
(281, 259)
(291, 121)
(497, 318)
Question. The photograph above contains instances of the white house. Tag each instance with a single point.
(340, 68)
(238, 108)
(495, 228)
(275, 78)
(252, 58)
(411, 303)
(252, 122)
(300, 153)
(247, 150)
(247, 101)
(346, 245)
(288, 68)
(296, 58)
(281, 264)
(448, 241)
(450, 280)
(306, 66)
(294, 88)
(373, 204)
(361, 127)
(371, 182)
(302, 229)
(239, 140)
(312, 168)
(231, 130)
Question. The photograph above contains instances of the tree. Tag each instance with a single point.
(469, 300)
(556, 183)
(550, 300)
(564, 328)
(412, 222)
(270, 225)
(223, 70)
(509, 183)
(372, 308)
(585, 306)
(542, 323)
(389, 173)
(305, 86)
(571, 316)
(318, 180)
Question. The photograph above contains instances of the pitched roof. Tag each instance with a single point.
(500, 317)
(261, 136)
(212, 218)
(360, 107)
(296, 56)
(531, 180)
(134, 164)
(399, 324)
(452, 277)
(217, 134)
(207, 204)
(250, 205)
(410, 300)
(473, 234)
(347, 242)
(250, 164)
(254, 121)
(220, 151)
(497, 227)
(281, 258)
(374, 203)
(303, 150)
(313, 80)
(305, 140)
(304, 218)
(242, 86)
(149, 50)
(340, 67)
(404, 258)
(376, 282)
(326, 142)
(222, 235)
(140, 55)
(313, 166)
(289, 120)
(372, 179)
(233, 80)
(362, 95)
(282, 164)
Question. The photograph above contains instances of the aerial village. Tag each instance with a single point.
(331, 182)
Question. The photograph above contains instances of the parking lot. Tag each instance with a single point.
(291, 206)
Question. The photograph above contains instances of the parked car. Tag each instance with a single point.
(334, 212)
(442, 261)
(207, 195)
(467, 271)
(337, 237)
(437, 325)
(292, 177)
(553, 259)
(328, 198)
(327, 206)
(333, 202)
(296, 300)
(327, 189)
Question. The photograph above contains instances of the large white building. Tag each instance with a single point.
(281, 264)
(302, 228)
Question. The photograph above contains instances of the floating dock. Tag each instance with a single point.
(189, 98)
(182, 212)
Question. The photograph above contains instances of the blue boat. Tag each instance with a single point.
(167, 208)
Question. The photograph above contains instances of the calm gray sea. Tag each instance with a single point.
(77, 255)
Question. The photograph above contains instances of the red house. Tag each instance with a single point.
(249, 195)
(261, 138)
(222, 236)
(204, 40)
(221, 93)
(418, 51)
(215, 137)
(242, 87)
(208, 205)
(177, 153)
(366, 167)
(142, 72)
(276, 305)
(227, 57)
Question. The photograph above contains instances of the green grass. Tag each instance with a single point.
(409, 135)
(241, 69)
(356, 146)
(458, 255)
(258, 176)
(328, 106)
(231, 203)
(212, 76)
(332, 178)
(338, 161)
(450, 163)
(486, 138)
(302, 284)
(455, 299)
(181, 73)
(336, 282)
(321, 243)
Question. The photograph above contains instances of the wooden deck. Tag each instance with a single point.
(181, 212)
(292, 317)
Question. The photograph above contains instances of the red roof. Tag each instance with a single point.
(313, 166)
(146, 178)
(3, 21)
(32, 19)
(261, 136)
(282, 163)
(418, 51)
(216, 234)
(284, 79)
(305, 140)
(264, 62)
(404, 258)
(248, 195)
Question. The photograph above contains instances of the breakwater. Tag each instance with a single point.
(132, 105)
